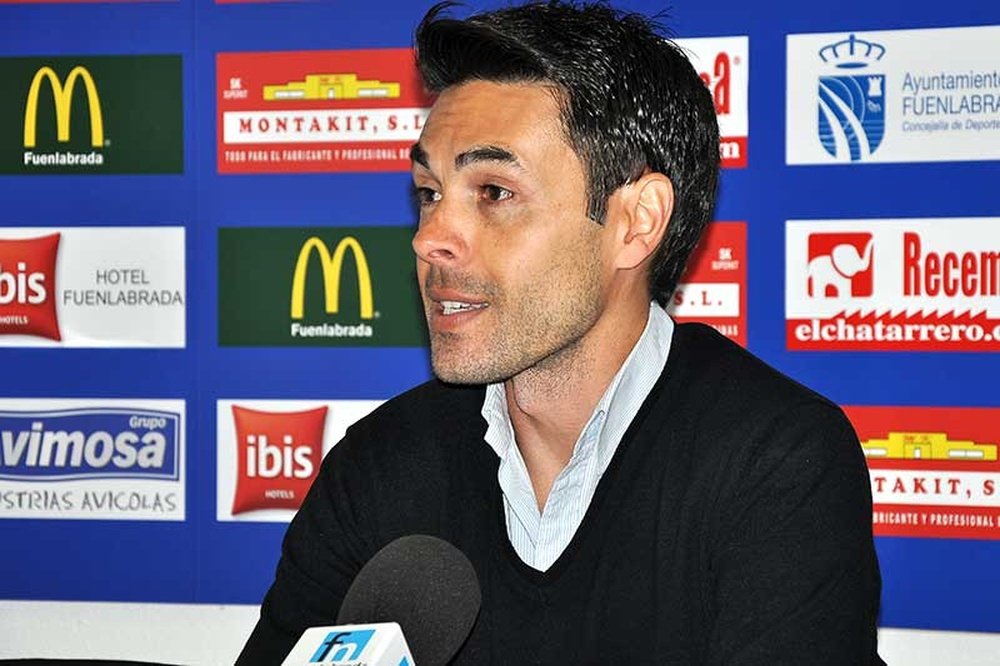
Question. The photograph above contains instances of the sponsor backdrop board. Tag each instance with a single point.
(207, 219)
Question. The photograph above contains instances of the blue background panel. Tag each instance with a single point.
(928, 583)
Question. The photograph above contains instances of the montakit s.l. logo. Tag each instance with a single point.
(934, 471)
(852, 100)
(92, 114)
(318, 111)
(713, 289)
(931, 284)
(318, 287)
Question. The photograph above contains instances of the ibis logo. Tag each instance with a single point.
(278, 455)
(318, 287)
(268, 452)
(92, 114)
(28, 286)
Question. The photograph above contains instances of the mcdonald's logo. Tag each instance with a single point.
(63, 95)
(332, 269)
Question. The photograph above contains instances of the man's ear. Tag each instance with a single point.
(646, 207)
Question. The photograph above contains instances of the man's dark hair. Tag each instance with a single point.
(631, 101)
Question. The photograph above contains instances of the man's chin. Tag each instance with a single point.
(464, 371)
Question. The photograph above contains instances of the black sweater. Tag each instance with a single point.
(733, 526)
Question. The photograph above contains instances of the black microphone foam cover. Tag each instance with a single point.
(426, 585)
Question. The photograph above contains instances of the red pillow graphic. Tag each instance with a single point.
(28, 287)
(277, 457)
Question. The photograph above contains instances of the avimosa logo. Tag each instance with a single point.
(63, 100)
(332, 266)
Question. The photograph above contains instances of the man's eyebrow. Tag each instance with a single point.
(478, 154)
(419, 156)
(486, 154)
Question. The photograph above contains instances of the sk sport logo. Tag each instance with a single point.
(840, 265)
(851, 106)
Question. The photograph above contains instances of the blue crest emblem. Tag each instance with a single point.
(852, 106)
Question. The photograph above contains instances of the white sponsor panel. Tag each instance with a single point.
(110, 287)
(724, 66)
(893, 96)
(707, 299)
(322, 126)
(92, 459)
(893, 284)
(264, 467)
(921, 487)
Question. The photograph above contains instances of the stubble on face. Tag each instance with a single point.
(534, 258)
(535, 327)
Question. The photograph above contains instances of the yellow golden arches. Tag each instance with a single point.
(332, 268)
(63, 95)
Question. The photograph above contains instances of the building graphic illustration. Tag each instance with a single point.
(332, 86)
(927, 446)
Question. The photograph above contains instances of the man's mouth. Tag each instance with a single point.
(454, 307)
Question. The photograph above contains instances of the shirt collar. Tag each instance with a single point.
(614, 411)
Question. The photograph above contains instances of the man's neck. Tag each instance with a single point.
(550, 404)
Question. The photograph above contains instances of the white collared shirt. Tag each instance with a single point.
(539, 537)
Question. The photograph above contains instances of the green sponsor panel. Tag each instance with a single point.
(319, 287)
(91, 115)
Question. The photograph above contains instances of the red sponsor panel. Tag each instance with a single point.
(934, 470)
(733, 152)
(277, 457)
(318, 111)
(28, 287)
(893, 285)
(713, 289)
(723, 65)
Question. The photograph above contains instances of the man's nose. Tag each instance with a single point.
(440, 238)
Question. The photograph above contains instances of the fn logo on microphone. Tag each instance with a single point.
(342, 647)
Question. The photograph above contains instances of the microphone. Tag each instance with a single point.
(424, 584)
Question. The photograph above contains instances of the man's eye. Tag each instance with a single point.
(496, 193)
(426, 196)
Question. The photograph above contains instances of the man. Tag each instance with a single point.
(628, 490)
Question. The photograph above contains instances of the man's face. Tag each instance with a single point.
(511, 270)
